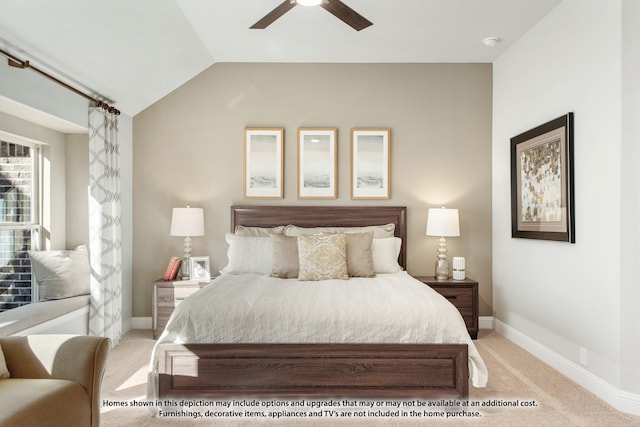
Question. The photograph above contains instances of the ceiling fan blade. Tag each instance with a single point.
(276, 13)
(346, 14)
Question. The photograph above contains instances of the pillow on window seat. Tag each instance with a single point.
(61, 274)
(4, 371)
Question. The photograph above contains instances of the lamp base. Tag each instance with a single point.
(442, 269)
(185, 274)
(442, 265)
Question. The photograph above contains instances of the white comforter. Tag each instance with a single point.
(390, 308)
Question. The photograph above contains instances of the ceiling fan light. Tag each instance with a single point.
(309, 2)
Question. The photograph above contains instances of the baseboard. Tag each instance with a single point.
(485, 322)
(621, 400)
(141, 323)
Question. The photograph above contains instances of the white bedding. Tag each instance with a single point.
(390, 308)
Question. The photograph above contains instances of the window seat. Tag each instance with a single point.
(67, 315)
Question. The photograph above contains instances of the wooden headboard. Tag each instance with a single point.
(324, 216)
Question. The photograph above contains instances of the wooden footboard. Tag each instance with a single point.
(320, 370)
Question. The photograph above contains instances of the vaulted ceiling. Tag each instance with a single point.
(134, 52)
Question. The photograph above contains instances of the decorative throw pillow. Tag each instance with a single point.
(322, 257)
(4, 371)
(359, 256)
(248, 254)
(242, 230)
(294, 230)
(61, 274)
(285, 256)
(379, 231)
(385, 255)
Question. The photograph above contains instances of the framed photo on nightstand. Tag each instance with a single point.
(199, 268)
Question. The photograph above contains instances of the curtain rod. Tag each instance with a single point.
(17, 63)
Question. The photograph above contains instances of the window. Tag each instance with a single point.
(19, 219)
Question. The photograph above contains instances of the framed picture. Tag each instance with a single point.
(317, 163)
(263, 163)
(370, 163)
(542, 196)
(199, 268)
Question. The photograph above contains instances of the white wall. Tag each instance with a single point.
(567, 296)
(630, 319)
(125, 139)
(36, 92)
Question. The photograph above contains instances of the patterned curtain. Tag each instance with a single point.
(104, 225)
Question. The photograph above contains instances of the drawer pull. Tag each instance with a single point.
(451, 296)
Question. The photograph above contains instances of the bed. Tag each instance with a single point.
(254, 355)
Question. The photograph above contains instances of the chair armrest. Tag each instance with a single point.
(78, 358)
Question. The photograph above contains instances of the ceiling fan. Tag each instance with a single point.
(335, 7)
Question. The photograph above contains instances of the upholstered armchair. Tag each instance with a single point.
(54, 380)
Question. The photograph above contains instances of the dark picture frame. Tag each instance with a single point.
(542, 185)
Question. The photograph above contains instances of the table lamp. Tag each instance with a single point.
(187, 222)
(444, 223)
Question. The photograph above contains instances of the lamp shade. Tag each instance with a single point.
(187, 222)
(443, 222)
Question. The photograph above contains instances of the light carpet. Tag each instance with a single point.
(514, 375)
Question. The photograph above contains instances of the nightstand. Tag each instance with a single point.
(461, 293)
(166, 297)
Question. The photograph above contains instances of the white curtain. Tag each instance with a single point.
(104, 225)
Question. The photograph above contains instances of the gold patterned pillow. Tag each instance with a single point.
(322, 257)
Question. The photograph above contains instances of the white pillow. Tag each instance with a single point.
(248, 254)
(4, 371)
(385, 255)
(61, 274)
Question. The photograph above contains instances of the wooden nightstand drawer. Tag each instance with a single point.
(162, 316)
(463, 294)
(171, 297)
(459, 297)
(166, 297)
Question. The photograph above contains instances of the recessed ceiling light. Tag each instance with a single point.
(490, 41)
(309, 2)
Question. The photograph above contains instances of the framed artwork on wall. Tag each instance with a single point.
(542, 188)
(263, 163)
(370, 163)
(317, 163)
(199, 268)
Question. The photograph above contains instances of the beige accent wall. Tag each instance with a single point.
(188, 149)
